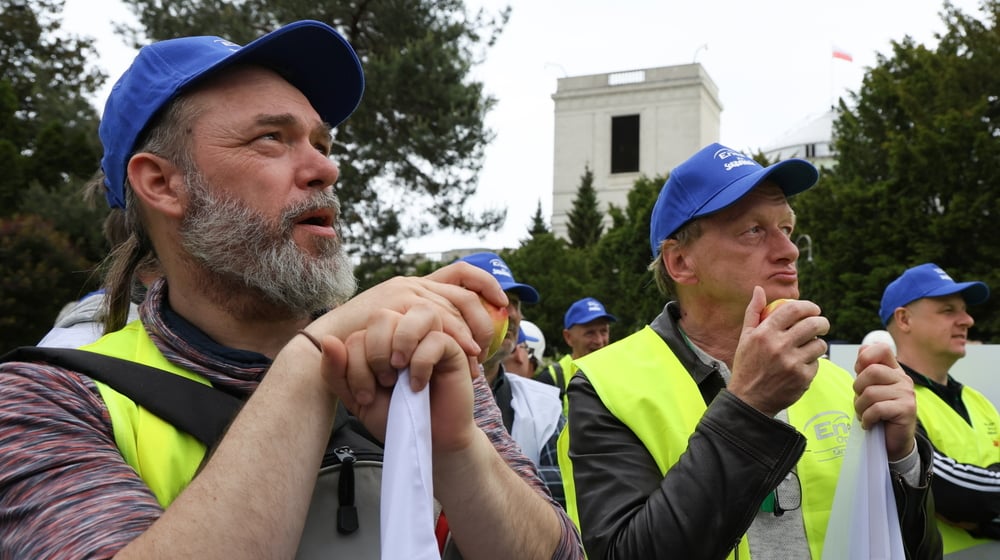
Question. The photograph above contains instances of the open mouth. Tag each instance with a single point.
(321, 217)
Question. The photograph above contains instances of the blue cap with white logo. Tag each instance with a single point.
(584, 311)
(492, 263)
(927, 280)
(714, 178)
(310, 55)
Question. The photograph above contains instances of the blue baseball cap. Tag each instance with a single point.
(714, 178)
(927, 280)
(311, 55)
(584, 311)
(492, 263)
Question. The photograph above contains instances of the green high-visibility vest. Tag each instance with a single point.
(645, 386)
(164, 457)
(561, 372)
(977, 444)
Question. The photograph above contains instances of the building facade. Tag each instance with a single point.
(624, 125)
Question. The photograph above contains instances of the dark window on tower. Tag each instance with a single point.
(625, 144)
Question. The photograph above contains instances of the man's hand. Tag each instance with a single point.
(775, 360)
(366, 384)
(884, 393)
(452, 293)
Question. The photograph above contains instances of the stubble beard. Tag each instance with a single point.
(241, 251)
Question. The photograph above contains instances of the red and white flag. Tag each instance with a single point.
(842, 54)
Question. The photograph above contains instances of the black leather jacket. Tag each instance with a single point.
(709, 498)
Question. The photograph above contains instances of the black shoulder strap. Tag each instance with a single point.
(200, 410)
(560, 378)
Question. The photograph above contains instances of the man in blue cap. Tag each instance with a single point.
(531, 411)
(713, 432)
(926, 312)
(586, 328)
(219, 155)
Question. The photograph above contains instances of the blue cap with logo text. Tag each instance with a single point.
(927, 280)
(492, 263)
(584, 311)
(310, 55)
(714, 178)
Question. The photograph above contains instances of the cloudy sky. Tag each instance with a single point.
(771, 59)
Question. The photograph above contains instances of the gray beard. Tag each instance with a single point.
(237, 245)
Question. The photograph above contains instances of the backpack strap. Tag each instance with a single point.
(560, 379)
(200, 410)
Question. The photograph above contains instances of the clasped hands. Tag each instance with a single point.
(436, 325)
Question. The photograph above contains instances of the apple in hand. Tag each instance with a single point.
(499, 316)
(772, 306)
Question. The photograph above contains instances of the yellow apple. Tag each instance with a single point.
(499, 316)
(772, 306)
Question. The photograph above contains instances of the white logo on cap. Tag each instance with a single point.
(942, 274)
(500, 269)
(228, 44)
(726, 153)
(741, 159)
(594, 306)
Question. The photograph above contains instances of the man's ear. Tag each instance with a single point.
(566, 336)
(901, 316)
(158, 183)
(677, 263)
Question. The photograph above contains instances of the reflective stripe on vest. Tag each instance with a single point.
(978, 444)
(645, 386)
(164, 457)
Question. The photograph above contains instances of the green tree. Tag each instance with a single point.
(80, 220)
(584, 220)
(40, 270)
(917, 177)
(620, 260)
(559, 273)
(614, 270)
(410, 156)
(47, 124)
(50, 241)
(538, 223)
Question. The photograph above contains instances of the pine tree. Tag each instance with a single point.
(584, 221)
(538, 224)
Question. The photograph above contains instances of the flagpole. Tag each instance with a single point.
(842, 54)
(833, 60)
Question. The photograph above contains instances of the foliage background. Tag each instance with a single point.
(916, 180)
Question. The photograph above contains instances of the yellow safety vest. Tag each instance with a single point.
(569, 368)
(977, 444)
(647, 388)
(164, 457)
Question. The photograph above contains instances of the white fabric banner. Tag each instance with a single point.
(864, 522)
(407, 511)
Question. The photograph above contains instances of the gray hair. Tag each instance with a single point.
(169, 136)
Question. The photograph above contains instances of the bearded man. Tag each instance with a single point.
(220, 157)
